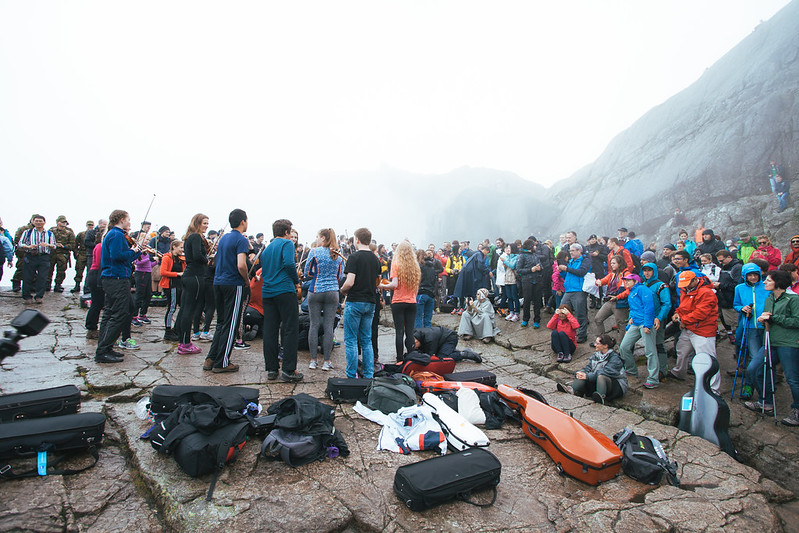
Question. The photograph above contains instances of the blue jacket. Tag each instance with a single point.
(748, 294)
(116, 256)
(574, 274)
(7, 251)
(661, 293)
(278, 268)
(635, 246)
(642, 306)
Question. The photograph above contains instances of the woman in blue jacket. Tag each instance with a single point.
(750, 297)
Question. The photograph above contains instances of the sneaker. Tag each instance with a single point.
(271, 375)
(135, 321)
(758, 407)
(560, 357)
(232, 367)
(460, 311)
(327, 365)
(294, 377)
(312, 364)
(515, 317)
(206, 336)
(92, 334)
(454, 311)
(536, 325)
(523, 324)
(241, 346)
(746, 393)
(509, 317)
(567, 358)
(651, 384)
(208, 364)
(196, 337)
(188, 349)
(792, 419)
(128, 344)
(598, 398)
(144, 320)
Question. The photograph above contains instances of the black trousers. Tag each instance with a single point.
(281, 315)
(206, 306)
(532, 294)
(98, 299)
(404, 318)
(35, 267)
(117, 312)
(193, 288)
(228, 298)
(144, 291)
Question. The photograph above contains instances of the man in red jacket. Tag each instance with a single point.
(697, 315)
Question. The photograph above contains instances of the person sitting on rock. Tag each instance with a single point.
(767, 252)
(564, 328)
(442, 342)
(782, 189)
(478, 319)
(603, 378)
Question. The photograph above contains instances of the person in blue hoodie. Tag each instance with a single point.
(662, 301)
(573, 275)
(640, 326)
(750, 296)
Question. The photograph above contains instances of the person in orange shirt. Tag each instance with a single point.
(405, 277)
(171, 273)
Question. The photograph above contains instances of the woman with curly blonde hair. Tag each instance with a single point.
(404, 281)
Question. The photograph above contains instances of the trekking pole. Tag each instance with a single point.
(741, 355)
(770, 366)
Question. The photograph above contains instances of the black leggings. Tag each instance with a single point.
(532, 295)
(561, 343)
(404, 319)
(193, 288)
(206, 306)
(608, 387)
(144, 291)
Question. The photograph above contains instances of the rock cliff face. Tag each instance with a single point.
(705, 150)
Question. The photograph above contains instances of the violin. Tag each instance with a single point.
(139, 247)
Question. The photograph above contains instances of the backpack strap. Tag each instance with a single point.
(223, 452)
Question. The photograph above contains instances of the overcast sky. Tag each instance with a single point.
(215, 105)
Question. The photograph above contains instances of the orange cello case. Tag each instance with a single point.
(577, 449)
(452, 386)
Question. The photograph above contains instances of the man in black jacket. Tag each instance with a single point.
(442, 342)
(729, 277)
(709, 245)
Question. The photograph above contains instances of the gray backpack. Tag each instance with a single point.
(390, 394)
(295, 449)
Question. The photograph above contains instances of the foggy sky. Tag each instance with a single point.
(311, 110)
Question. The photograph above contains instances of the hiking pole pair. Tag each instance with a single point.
(770, 367)
(742, 354)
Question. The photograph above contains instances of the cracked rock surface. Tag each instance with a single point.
(134, 489)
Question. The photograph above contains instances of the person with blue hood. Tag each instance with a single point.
(662, 301)
(750, 297)
(641, 325)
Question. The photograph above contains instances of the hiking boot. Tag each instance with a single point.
(564, 388)
(107, 358)
(272, 375)
(312, 364)
(598, 398)
(746, 393)
(758, 407)
(792, 419)
(58, 288)
(471, 356)
(232, 367)
(208, 364)
(92, 334)
(327, 365)
(294, 377)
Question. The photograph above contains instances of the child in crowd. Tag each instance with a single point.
(564, 333)
(171, 272)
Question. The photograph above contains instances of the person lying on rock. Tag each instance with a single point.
(442, 342)
(478, 320)
(603, 378)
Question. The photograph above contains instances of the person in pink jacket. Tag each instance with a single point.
(767, 252)
(564, 332)
(557, 280)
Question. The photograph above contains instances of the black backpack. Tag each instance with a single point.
(202, 436)
(644, 459)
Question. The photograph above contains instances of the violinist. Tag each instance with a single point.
(116, 258)
(171, 274)
(160, 243)
(196, 249)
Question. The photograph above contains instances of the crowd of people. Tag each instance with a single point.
(694, 291)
